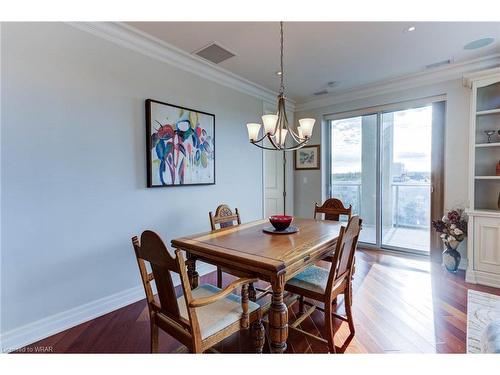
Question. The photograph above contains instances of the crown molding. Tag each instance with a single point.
(483, 74)
(139, 41)
(450, 72)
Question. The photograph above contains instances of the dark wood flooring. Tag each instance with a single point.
(401, 304)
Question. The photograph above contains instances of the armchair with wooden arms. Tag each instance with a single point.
(201, 317)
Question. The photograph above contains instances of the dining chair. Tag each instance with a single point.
(332, 208)
(224, 218)
(324, 285)
(201, 317)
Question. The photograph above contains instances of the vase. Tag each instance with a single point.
(451, 258)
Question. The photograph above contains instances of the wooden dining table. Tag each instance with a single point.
(275, 258)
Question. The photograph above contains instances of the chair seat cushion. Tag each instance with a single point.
(313, 278)
(218, 315)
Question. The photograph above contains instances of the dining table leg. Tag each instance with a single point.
(193, 276)
(278, 317)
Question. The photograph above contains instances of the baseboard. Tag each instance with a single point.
(483, 278)
(40, 329)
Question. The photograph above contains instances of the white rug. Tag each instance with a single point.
(482, 308)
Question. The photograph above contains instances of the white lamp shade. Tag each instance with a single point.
(269, 122)
(281, 141)
(306, 126)
(253, 131)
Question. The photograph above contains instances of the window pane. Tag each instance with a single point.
(354, 166)
(406, 176)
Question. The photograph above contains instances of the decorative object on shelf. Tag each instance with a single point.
(308, 157)
(180, 145)
(498, 202)
(452, 228)
(498, 168)
(489, 133)
(276, 127)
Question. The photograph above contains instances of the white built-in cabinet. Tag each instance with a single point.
(483, 246)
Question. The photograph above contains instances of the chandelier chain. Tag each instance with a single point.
(282, 86)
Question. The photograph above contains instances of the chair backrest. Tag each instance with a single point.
(343, 258)
(151, 249)
(333, 208)
(224, 217)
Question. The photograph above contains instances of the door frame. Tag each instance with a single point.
(437, 168)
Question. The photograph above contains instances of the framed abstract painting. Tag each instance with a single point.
(180, 145)
(308, 157)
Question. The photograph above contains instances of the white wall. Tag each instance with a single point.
(308, 184)
(73, 166)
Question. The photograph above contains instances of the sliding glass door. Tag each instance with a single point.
(353, 169)
(380, 163)
(406, 178)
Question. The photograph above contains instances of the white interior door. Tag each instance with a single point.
(273, 176)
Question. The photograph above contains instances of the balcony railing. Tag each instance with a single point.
(410, 201)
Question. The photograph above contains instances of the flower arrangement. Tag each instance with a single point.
(452, 228)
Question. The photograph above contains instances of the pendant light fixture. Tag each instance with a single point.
(276, 127)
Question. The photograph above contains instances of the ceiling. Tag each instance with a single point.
(350, 53)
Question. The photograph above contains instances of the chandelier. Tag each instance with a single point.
(276, 127)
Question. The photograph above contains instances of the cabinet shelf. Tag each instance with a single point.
(492, 144)
(488, 112)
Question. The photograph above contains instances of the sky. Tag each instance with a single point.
(411, 146)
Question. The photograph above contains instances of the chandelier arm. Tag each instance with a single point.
(296, 137)
(273, 142)
(296, 147)
(263, 147)
(260, 139)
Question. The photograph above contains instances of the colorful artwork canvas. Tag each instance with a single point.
(180, 145)
(308, 157)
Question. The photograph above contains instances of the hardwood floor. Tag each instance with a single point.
(401, 304)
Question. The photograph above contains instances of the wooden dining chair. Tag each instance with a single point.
(324, 285)
(224, 218)
(332, 208)
(201, 317)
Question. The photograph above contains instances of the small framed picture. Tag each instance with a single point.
(308, 157)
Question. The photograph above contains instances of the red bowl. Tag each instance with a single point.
(281, 222)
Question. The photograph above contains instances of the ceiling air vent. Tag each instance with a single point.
(322, 92)
(214, 53)
(438, 64)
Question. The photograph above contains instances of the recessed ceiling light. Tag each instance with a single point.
(278, 73)
(479, 43)
(410, 29)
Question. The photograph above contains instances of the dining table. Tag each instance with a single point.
(247, 250)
